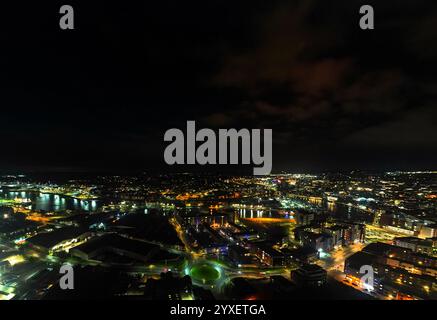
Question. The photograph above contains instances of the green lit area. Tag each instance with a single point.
(205, 273)
(6, 201)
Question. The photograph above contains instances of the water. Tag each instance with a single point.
(348, 213)
(52, 202)
(263, 214)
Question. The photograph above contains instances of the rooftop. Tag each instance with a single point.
(50, 239)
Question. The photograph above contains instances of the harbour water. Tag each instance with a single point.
(51, 202)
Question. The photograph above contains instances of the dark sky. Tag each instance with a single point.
(101, 97)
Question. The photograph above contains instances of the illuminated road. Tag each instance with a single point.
(181, 234)
(334, 264)
(335, 259)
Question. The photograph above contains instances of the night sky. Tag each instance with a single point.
(100, 97)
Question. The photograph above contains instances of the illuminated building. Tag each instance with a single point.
(241, 256)
(429, 231)
(416, 245)
(392, 277)
(267, 254)
(309, 275)
(304, 218)
(59, 239)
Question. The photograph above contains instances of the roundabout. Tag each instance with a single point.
(205, 273)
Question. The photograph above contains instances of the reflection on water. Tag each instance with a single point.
(345, 212)
(254, 213)
(337, 210)
(51, 202)
(257, 214)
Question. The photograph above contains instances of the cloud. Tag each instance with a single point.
(316, 78)
(285, 40)
(415, 129)
(219, 119)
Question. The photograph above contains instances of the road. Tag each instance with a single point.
(336, 258)
(334, 264)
